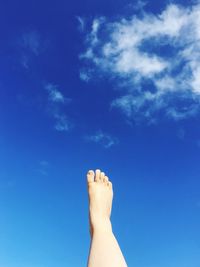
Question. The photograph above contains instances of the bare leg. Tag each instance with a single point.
(104, 249)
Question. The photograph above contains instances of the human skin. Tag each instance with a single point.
(104, 248)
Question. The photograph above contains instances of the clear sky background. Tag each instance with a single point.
(102, 84)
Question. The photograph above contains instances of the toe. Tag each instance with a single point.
(110, 185)
(90, 176)
(105, 179)
(102, 175)
(97, 175)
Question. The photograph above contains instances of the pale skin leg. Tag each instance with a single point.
(104, 248)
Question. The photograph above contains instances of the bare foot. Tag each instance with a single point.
(100, 201)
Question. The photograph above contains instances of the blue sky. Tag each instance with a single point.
(99, 84)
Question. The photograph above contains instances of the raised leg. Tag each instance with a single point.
(104, 248)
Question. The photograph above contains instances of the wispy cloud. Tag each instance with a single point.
(136, 6)
(31, 42)
(31, 45)
(25, 61)
(85, 75)
(139, 5)
(103, 139)
(154, 57)
(81, 23)
(54, 94)
(62, 123)
(56, 102)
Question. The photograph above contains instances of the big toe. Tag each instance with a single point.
(90, 176)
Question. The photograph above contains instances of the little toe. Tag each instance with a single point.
(110, 185)
(90, 176)
(97, 175)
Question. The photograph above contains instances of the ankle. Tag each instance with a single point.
(100, 225)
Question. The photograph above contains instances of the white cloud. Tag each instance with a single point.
(156, 58)
(104, 139)
(139, 5)
(54, 94)
(85, 75)
(62, 123)
(130, 61)
(184, 113)
(56, 102)
(81, 22)
(95, 28)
